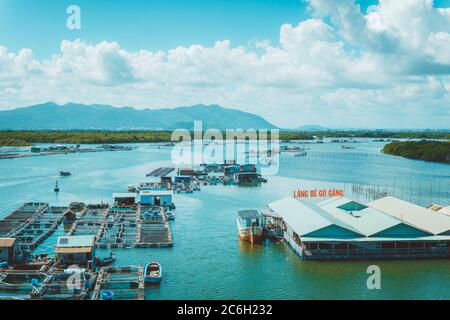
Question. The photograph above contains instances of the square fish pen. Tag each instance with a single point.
(90, 222)
(155, 235)
(120, 283)
(120, 228)
(154, 230)
(75, 285)
(19, 285)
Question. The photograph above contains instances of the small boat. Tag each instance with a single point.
(106, 295)
(153, 273)
(170, 216)
(249, 226)
(56, 189)
(107, 261)
(301, 154)
(64, 173)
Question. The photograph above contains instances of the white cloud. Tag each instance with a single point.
(365, 69)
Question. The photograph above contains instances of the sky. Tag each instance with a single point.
(336, 63)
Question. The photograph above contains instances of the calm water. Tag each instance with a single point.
(208, 261)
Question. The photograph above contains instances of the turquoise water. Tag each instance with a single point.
(208, 261)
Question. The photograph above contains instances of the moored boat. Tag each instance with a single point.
(107, 261)
(64, 173)
(170, 216)
(153, 273)
(249, 226)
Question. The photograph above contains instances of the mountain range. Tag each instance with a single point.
(73, 116)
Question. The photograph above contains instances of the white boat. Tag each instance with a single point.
(249, 226)
(153, 273)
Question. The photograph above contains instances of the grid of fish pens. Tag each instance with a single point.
(120, 283)
(90, 222)
(18, 219)
(120, 228)
(66, 286)
(154, 230)
(40, 228)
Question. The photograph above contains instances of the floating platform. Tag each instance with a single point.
(26, 285)
(123, 227)
(125, 283)
(31, 224)
(161, 172)
(120, 229)
(18, 219)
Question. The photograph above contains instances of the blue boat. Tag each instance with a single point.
(153, 273)
(106, 295)
(170, 216)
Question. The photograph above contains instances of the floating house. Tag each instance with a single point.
(232, 169)
(76, 250)
(156, 197)
(248, 167)
(183, 179)
(9, 250)
(186, 172)
(248, 177)
(126, 198)
(339, 228)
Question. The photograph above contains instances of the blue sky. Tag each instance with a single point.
(147, 24)
(295, 62)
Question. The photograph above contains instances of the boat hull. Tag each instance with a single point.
(152, 279)
(251, 234)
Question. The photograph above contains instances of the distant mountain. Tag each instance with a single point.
(72, 116)
(312, 127)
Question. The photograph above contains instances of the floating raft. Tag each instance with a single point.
(160, 172)
(125, 282)
(123, 227)
(26, 285)
(31, 224)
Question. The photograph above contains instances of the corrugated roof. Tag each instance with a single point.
(419, 217)
(156, 192)
(124, 195)
(7, 242)
(301, 218)
(75, 241)
(74, 250)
